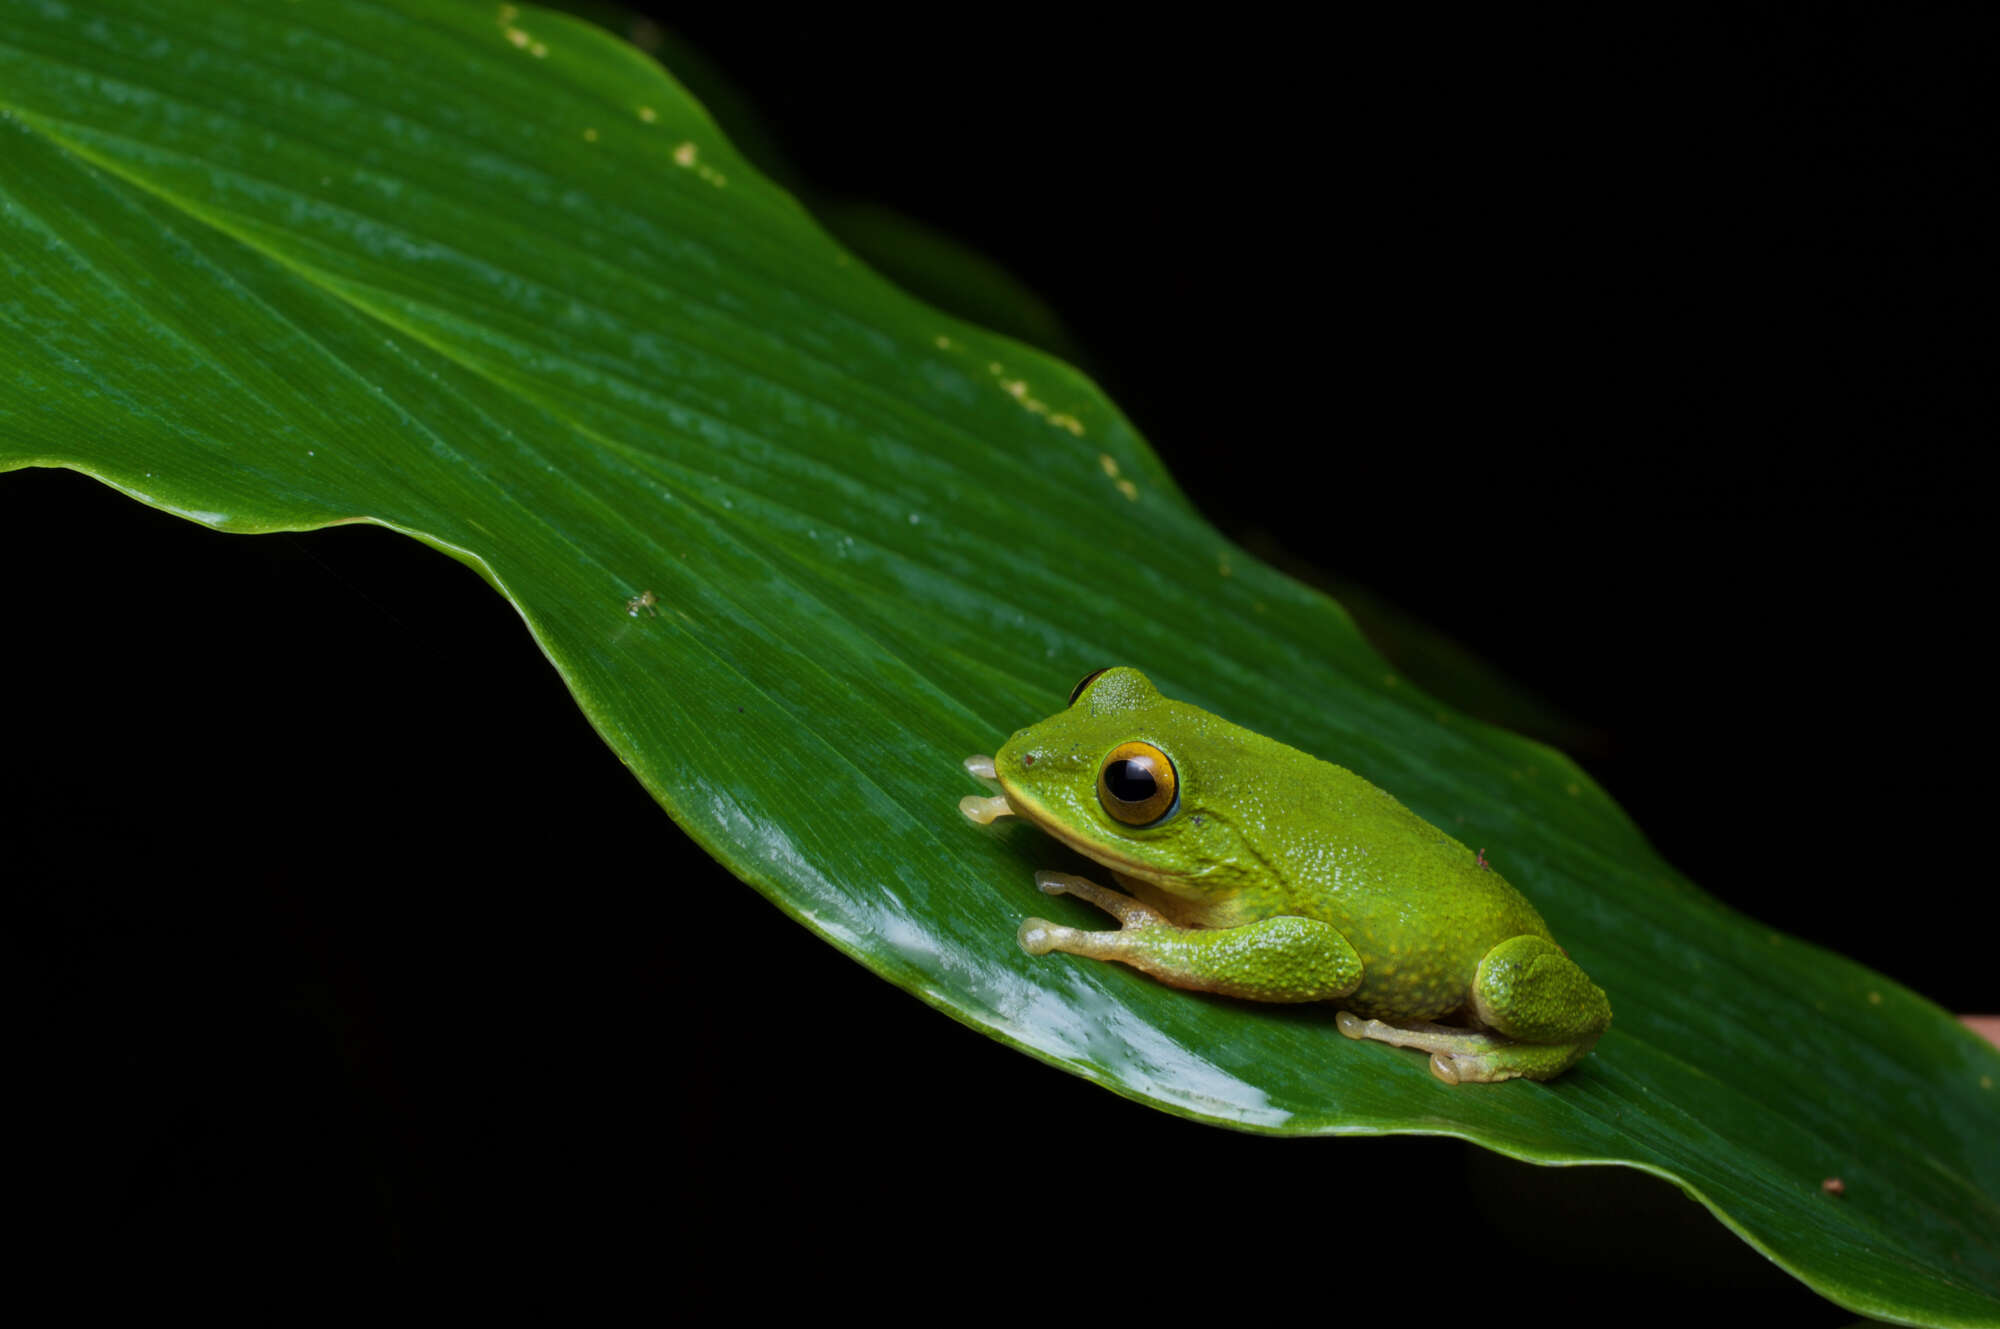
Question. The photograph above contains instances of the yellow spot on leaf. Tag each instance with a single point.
(1874, 999)
(590, 136)
(648, 114)
(1222, 564)
(1388, 680)
(518, 37)
(1109, 463)
(538, 50)
(1130, 490)
(1572, 789)
(508, 14)
(1017, 388)
(1985, 1082)
(684, 154)
(943, 342)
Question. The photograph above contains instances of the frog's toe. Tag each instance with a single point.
(1038, 936)
(985, 810)
(1128, 911)
(1476, 1068)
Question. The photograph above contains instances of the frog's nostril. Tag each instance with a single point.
(1028, 760)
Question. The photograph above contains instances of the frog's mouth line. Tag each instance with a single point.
(1012, 802)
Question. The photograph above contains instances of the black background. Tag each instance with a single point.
(1648, 360)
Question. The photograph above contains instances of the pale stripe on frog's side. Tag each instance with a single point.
(1258, 871)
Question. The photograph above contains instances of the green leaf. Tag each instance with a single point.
(490, 278)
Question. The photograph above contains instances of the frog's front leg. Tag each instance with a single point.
(1544, 1011)
(1275, 959)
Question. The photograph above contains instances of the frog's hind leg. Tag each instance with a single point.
(1285, 958)
(1544, 1011)
(1530, 990)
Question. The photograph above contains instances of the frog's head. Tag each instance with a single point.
(1143, 784)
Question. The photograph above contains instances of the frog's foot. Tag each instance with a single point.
(1460, 1056)
(1276, 959)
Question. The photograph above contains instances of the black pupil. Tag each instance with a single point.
(1130, 781)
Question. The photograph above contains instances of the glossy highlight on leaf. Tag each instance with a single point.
(483, 275)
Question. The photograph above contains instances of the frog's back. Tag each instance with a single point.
(1415, 903)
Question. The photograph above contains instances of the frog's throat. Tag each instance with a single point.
(1028, 810)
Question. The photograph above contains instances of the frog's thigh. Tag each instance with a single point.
(1527, 989)
(1275, 959)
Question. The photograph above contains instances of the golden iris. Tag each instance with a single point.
(1137, 785)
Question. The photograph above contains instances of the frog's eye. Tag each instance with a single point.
(1083, 683)
(1137, 784)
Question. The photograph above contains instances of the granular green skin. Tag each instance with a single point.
(1528, 989)
(1276, 959)
(1281, 877)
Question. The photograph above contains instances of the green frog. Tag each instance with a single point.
(1254, 870)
